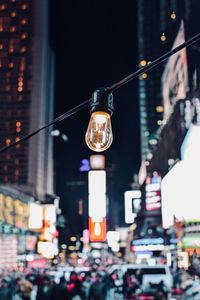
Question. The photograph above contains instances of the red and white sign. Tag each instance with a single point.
(97, 230)
(8, 251)
(153, 192)
(97, 205)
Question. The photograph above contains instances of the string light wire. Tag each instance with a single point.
(111, 89)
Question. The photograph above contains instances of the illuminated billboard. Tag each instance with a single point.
(132, 204)
(97, 162)
(97, 230)
(35, 216)
(14, 211)
(180, 194)
(190, 147)
(148, 244)
(175, 76)
(153, 192)
(97, 205)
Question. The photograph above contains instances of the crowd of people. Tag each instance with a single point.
(94, 284)
(36, 285)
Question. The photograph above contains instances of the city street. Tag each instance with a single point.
(99, 150)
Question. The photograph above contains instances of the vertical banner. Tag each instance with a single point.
(175, 76)
(97, 205)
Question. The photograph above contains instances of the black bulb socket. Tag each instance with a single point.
(102, 100)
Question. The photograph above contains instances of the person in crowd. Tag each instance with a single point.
(97, 289)
(59, 291)
(25, 287)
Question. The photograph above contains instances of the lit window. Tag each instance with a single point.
(144, 75)
(13, 14)
(24, 6)
(163, 37)
(2, 7)
(12, 29)
(8, 141)
(20, 83)
(159, 108)
(17, 172)
(20, 89)
(173, 16)
(18, 124)
(143, 63)
(24, 21)
(11, 65)
(24, 36)
(23, 49)
(1, 46)
(11, 48)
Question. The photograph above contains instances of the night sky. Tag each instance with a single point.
(95, 45)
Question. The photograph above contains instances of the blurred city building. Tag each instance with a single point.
(26, 98)
(166, 98)
(26, 70)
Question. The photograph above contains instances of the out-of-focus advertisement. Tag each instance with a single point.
(132, 205)
(47, 249)
(48, 232)
(153, 192)
(97, 162)
(97, 205)
(97, 230)
(35, 216)
(147, 244)
(175, 76)
(180, 186)
(8, 251)
(180, 194)
(31, 242)
(14, 211)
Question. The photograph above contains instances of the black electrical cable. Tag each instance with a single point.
(111, 89)
(154, 63)
(55, 121)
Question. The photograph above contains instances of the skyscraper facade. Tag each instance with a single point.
(26, 72)
(158, 25)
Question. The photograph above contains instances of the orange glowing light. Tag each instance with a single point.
(97, 230)
(13, 14)
(8, 141)
(12, 29)
(23, 36)
(24, 21)
(20, 83)
(18, 124)
(11, 65)
(20, 89)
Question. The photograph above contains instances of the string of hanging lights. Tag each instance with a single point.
(99, 133)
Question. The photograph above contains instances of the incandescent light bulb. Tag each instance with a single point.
(99, 133)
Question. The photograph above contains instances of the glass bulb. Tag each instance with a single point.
(99, 133)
